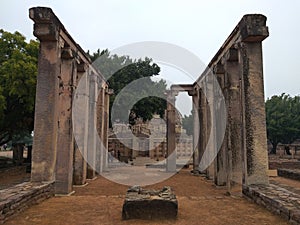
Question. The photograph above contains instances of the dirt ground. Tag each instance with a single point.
(100, 202)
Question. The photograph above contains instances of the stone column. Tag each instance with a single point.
(46, 110)
(210, 171)
(196, 130)
(221, 166)
(135, 146)
(107, 93)
(234, 108)
(152, 149)
(100, 129)
(65, 140)
(91, 154)
(82, 97)
(203, 125)
(171, 133)
(253, 31)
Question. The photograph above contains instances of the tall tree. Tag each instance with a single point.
(121, 71)
(18, 70)
(283, 119)
(188, 123)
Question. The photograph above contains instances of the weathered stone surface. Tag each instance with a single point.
(276, 199)
(291, 174)
(15, 199)
(150, 204)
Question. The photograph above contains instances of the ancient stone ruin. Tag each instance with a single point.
(235, 72)
(61, 64)
(150, 204)
(238, 68)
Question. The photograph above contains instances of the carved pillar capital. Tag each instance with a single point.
(253, 28)
(47, 25)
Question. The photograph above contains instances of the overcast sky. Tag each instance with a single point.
(198, 26)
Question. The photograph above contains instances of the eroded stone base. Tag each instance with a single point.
(150, 204)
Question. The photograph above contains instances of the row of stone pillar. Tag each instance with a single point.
(242, 157)
(57, 156)
(230, 143)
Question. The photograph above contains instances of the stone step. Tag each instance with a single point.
(276, 199)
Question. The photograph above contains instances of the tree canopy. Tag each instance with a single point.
(121, 71)
(18, 71)
(283, 119)
(187, 123)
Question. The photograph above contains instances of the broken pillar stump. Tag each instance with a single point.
(150, 204)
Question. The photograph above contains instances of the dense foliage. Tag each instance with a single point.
(187, 123)
(18, 70)
(121, 71)
(283, 119)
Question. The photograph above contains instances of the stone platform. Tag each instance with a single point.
(276, 199)
(15, 199)
(150, 204)
(293, 174)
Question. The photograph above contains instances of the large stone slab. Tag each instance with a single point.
(150, 204)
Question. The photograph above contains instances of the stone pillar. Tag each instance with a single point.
(91, 154)
(152, 149)
(100, 129)
(253, 31)
(209, 123)
(234, 110)
(46, 110)
(107, 93)
(171, 133)
(135, 146)
(65, 140)
(221, 166)
(82, 97)
(203, 125)
(196, 130)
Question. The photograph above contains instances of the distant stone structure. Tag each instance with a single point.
(149, 139)
(292, 149)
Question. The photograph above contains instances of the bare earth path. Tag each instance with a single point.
(101, 201)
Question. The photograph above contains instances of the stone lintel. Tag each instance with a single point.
(181, 87)
(253, 28)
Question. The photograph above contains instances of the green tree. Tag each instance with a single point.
(18, 70)
(121, 71)
(283, 119)
(187, 123)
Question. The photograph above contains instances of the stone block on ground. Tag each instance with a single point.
(150, 204)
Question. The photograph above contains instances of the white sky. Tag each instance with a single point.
(198, 26)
